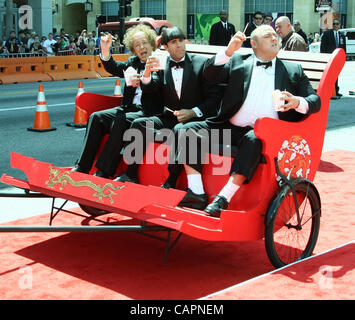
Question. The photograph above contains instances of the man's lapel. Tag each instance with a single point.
(186, 74)
(169, 79)
(248, 70)
(280, 73)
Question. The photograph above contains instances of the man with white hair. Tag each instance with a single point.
(291, 41)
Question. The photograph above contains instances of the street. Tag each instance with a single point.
(62, 146)
(17, 110)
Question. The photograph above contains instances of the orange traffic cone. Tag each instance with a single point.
(117, 92)
(334, 94)
(41, 122)
(80, 117)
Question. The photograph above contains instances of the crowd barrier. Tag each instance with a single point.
(72, 67)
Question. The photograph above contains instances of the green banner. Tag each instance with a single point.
(204, 23)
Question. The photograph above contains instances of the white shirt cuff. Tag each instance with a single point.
(102, 58)
(198, 112)
(221, 58)
(146, 80)
(303, 106)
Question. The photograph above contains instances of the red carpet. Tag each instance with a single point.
(130, 266)
(328, 276)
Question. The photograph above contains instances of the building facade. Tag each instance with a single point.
(193, 16)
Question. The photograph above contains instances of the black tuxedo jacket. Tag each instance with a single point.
(151, 104)
(195, 90)
(328, 44)
(237, 74)
(219, 35)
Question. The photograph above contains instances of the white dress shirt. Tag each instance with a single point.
(337, 38)
(138, 94)
(177, 75)
(258, 102)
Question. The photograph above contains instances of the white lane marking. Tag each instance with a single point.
(32, 107)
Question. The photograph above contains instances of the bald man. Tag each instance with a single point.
(291, 41)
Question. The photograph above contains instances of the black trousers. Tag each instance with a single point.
(114, 122)
(152, 126)
(204, 135)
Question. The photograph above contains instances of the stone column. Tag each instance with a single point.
(135, 9)
(42, 16)
(176, 13)
(236, 13)
(350, 16)
(303, 11)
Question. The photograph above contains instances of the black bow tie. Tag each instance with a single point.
(177, 65)
(265, 64)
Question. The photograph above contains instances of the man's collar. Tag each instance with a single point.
(257, 59)
(183, 59)
(287, 37)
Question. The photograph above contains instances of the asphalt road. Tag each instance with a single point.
(17, 110)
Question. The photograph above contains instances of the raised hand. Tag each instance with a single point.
(235, 43)
(105, 43)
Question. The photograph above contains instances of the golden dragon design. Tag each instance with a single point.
(57, 176)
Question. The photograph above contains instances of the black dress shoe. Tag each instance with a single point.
(77, 168)
(125, 178)
(214, 208)
(339, 95)
(168, 185)
(193, 200)
(101, 174)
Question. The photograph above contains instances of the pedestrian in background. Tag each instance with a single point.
(222, 31)
(290, 40)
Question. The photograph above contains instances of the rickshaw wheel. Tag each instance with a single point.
(286, 240)
(92, 210)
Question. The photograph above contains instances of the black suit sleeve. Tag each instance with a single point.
(213, 34)
(155, 84)
(213, 96)
(116, 68)
(218, 74)
(304, 89)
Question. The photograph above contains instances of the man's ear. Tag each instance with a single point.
(253, 43)
(165, 47)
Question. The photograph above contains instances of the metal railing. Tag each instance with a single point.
(38, 53)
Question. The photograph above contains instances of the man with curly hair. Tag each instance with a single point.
(141, 41)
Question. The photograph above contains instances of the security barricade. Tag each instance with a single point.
(18, 70)
(100, 68)
(71, 67)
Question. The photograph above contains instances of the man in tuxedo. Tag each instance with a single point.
(221, 32)
(257, 21)
(186, 95)
(332, 39)
(141, 40)
(248, 96)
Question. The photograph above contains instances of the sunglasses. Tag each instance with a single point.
(336, 23)
(256, 18)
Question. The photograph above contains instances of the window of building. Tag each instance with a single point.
(280, 6)
(110, 10)
(206, 6)
(153, 8)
